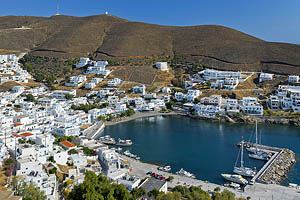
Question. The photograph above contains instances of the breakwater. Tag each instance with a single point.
(275, 170)
(278, 169)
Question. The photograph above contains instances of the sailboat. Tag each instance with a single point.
(255, 152)
(244, 171)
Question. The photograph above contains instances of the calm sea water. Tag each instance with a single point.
(204, 148)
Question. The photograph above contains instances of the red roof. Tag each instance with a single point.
(67, 144)
(18, 124)
(16, 135)
(26, 134)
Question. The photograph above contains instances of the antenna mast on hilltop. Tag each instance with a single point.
(57, 7)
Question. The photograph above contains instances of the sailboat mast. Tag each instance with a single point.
(256, 134)
(242, 154)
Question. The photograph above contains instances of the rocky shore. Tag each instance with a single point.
(262, 120)
(279, 168)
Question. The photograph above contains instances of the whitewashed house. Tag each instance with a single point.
(89, 85)
(265, 77)
(179, 96)
(61, 94)
(82, 62)
(103, 93)
(293, 79)
(163, 66)
(78, 161)
(192, 95)
(206, 110)
(139, 89)
(232, 105)
(166, 90)
(274, 102)
(76, 81)
(114, 82)
(209, 74)
(18, 89)
(251, 106)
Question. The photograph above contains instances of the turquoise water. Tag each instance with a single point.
(204, 148)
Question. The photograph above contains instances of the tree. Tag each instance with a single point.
(51, 159)
(154, 193)
(53, 170)
(26, 190)
(138, 192)
(69, 96)
(171, 178)
(169, 196)
(30, 97)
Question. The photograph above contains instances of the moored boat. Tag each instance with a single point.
(244, 171)
(235, 178)
(107, 140)
(182, 172)
(124, 142)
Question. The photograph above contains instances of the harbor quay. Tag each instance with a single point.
(258, 191)
(280, 162)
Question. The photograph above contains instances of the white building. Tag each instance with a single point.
(251, 106)
(17, 89)
(89, 85)
(274, 102)
(99, 68)
(114, 82)
(76, 81)
(78, 161)
(209, 74)
(82, 62)
(293, 79)
(139, 89)
(265, 77)
(179, 96)
(192, 95)
(61, 94)
(163, 66)
(206, 110)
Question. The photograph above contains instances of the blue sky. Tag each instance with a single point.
(271, 20)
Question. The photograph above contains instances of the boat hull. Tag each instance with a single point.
(244, 171)
(235, 180)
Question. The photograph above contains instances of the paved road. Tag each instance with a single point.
(256, 192)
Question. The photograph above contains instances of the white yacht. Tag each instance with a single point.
(235, 178)
(244, 171)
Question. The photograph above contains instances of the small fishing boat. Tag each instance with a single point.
(125, 143)
(182, 172)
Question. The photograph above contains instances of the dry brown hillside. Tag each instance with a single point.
(110, 37)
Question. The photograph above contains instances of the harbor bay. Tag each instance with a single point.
(203, 148)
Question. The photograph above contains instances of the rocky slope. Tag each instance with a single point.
(110, 37)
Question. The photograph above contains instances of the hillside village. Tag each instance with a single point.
(51, 135)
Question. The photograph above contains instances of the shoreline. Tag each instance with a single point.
(140, 115)
(225, 119)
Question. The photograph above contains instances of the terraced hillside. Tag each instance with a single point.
(113, 38)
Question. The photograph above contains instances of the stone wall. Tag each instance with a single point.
(279, 168)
